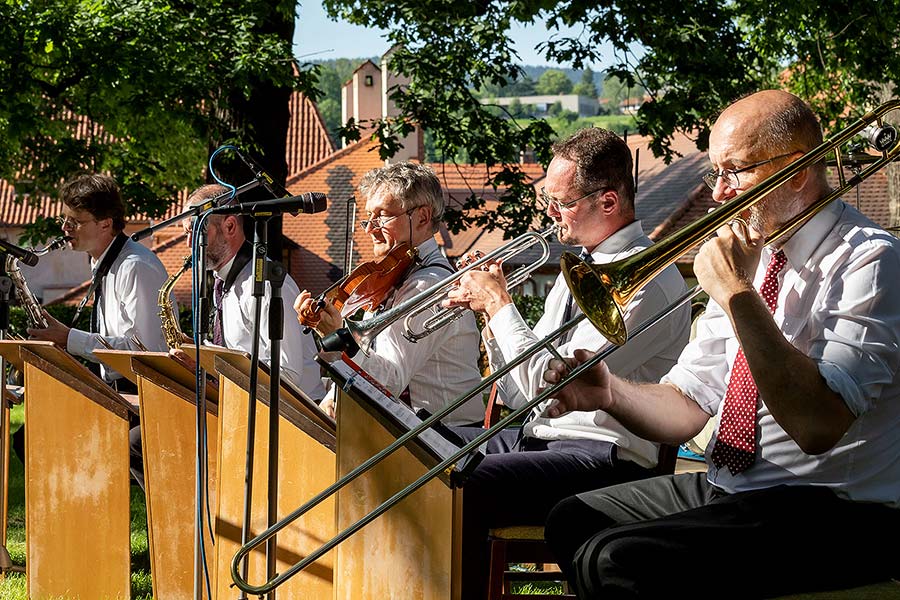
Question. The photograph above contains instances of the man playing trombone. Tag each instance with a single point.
(405, 204)
(797, 359)
(589, 192)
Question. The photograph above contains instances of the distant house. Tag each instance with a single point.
(583, 106)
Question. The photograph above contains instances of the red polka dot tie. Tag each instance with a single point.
(736, 441)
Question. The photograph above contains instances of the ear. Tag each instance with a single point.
(229, 225)
(799, 181)
(105, 223)
(424, 216)
(608, 202)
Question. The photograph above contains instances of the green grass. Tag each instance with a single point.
(13, 587)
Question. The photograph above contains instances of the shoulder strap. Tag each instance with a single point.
(102, 269)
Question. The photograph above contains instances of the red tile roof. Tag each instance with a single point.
(322, 237)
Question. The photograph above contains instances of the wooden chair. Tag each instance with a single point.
(526, 545)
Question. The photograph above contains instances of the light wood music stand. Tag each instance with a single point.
(168, 439)
(306, 467)
(77, 497)
(414, 550)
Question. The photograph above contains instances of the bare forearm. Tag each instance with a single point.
(657, 412)
(789, 381)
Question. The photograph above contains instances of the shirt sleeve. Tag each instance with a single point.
(857, 325)
(133, 312)
(395, 359)
(703, 365)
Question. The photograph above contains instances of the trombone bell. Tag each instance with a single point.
(592, 293)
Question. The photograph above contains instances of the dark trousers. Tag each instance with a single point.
(635, 540)
(518, 484)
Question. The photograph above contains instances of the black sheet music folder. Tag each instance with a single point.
(431, 446)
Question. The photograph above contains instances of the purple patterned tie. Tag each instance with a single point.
(736, 441)
(218, 336)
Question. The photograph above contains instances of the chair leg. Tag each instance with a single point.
(496, 576)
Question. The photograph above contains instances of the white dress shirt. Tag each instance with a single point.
(128, 306)
(838, 303)
(646, 358)
(438, 368)
(298, 349)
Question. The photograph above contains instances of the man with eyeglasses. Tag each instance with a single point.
(589, 194)
(228, 254)
(405, 204)
(796, 357)
(126, 278)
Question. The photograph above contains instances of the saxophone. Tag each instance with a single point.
(24, 295)
(167, 315)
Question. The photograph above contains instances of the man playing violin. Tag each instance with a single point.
(797, 359)
(405, 204)
(589, 192)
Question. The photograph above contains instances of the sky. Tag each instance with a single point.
(316, 37)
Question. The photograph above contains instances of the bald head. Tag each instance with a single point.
(771, 122)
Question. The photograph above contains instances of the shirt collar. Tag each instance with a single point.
(223, 272)
(608, 249)
(809, 237)
(96, 263)
(427, 247)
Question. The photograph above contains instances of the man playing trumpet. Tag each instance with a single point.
(589, 192)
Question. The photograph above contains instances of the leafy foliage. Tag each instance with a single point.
(158, 81)
(689, 59)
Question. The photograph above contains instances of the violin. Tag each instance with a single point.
(366, 286)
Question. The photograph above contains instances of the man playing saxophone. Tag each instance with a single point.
(126, 277)
(228, 254)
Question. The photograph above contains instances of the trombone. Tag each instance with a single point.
(626, 281)
(364, 332)
(602, 290)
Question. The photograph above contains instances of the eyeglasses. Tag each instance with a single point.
(558, 204)
(379, 221)
(72, 223)
(730, 176)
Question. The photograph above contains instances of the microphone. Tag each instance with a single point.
(26, 257)
(308, 203)
(261, 176)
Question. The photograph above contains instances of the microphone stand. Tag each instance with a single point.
(201, 326)
(6, 286)
(274, 272)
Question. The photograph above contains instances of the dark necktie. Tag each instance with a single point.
(736, 441)
(218, 335)
(570, 303)
(95, 307)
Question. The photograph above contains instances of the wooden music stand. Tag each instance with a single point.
(413, 550)
(168, 439)
(77, 498)
(306, 467)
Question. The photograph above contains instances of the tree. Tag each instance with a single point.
(553, 82)
(696, 58)
(160, 82)
(586, 87)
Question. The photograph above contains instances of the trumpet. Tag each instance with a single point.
(362, 333)
(598, 289)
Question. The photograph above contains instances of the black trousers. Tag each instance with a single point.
(518, 484)
(635, 540)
